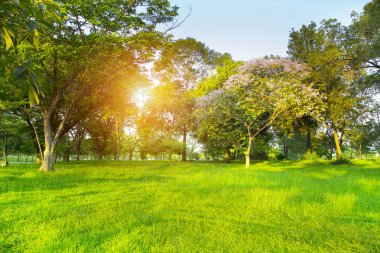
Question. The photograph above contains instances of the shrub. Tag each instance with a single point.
(342, 161)
(310, 155)
(280, 156)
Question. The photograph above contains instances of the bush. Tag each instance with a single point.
(280, 157)
(342, 161)
(310, 155)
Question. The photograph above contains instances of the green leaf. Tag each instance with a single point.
(35, 39)
(17, 2)
(33, 96)
(56, 16)
(36, 83)
(7, 37)
(41, 6)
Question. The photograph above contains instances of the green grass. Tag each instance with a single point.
(191, 207)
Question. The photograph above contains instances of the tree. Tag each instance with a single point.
(364, 36)
(101, 130)
(225, 68)
(64, 78)
(182, 64)
(79, 133)
(323, 50)
(218, 136)
(130, 143)
(263, 91)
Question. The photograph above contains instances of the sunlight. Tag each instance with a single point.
(140, 97)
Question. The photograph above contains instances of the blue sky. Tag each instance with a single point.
(251, 29)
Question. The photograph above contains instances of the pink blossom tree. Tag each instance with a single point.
(265, 92)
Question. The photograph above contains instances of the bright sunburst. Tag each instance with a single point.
(140, 97)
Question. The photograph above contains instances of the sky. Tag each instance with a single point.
(250, 29)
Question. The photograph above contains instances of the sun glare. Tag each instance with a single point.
(140, 97)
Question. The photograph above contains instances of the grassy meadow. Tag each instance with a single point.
(148, 206)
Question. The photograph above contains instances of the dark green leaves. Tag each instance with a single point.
(33, 88)
(41, 6)
(20, 73)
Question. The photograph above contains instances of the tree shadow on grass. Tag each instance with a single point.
(43, 182)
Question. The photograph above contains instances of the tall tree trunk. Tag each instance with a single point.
(66, 156)
(247, 152)
(78, 149)
(5, 142)
(228, 154)
(308, 140)
(117, 129)
(285, 147)
(130, 155)
(5, 149)
(337, 145)
(351, 151)
(67, 150)
(184, 147)
(80, 133)
(48, 158)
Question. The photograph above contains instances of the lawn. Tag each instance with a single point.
(148, 206)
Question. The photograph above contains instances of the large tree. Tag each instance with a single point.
(263, 91)
(323, 49)
(182, 64)
(90, 47)
(217, 135)
(364, 38)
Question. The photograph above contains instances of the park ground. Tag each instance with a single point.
(148, 206)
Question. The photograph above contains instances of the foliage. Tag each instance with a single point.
(364, 35)
(341, 161)
(280, 157)
(181, 65)
(310, 155)
(263, 91)
(223, 72)
(325, 52)
(90, 44)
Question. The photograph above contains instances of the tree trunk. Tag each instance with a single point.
(5, 142)
(308, 140)
(5, 149)
(130, 155)
(184, 144)
(228, 154)
(337, 145)
(48, 158)
(117, 148)
(351, 151)
(286, 147)
(35, 138)
(360, 151)
(247, 152)
(66, 155)
(78, 149)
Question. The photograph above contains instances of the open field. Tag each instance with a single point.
(162, 207)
